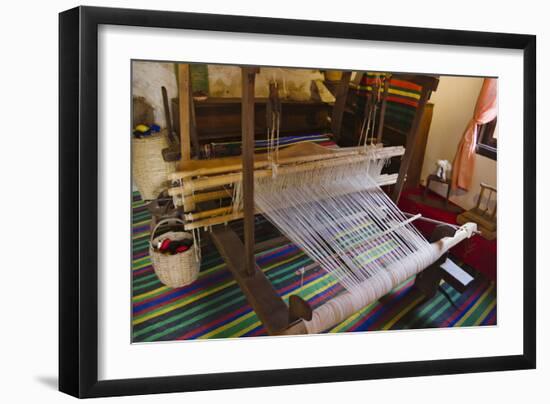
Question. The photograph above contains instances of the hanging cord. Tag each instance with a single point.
(375, 107)
(195, 232)
(237, 197)
(269, 119)
(197, 242)
(274, 122)
(278, 127)
(365, 126)
(368, 124)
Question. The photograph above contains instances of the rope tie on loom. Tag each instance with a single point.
(273, 148)
(274, 123)
(195, 232)
(179, 200)
(237, 197)
(197, 242)
(369, 121)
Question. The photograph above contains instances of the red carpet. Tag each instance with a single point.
(476, 252)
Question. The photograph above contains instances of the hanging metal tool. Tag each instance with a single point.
(172, 135)
(172, 152)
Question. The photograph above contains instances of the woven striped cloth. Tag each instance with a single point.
(224, 149)
(215, 307)
(402, 100)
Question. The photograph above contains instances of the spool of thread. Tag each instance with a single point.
(142, 130)
(172, 247)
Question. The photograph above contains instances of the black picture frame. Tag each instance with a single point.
(78, 195)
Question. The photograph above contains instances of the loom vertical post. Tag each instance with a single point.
(193, 125)
(247, 119)
(340, 105)
(427, 89)
(184, 109)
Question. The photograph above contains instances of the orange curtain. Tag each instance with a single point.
(485, 111)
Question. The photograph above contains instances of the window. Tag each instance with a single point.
(487, 140)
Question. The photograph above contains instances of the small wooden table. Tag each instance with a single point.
(433, 177)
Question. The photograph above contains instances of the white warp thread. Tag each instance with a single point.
(341, 219)
(344, 305)
(346, 223)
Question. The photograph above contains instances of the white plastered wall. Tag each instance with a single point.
(224, 81)
(454, 103)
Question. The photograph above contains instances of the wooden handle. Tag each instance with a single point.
(490, 187)
(170, 219)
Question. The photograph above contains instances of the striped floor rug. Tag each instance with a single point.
(214, 306)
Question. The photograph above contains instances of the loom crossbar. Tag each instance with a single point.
(295, 154)
(203, 183)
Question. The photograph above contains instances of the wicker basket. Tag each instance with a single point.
(179, 269)
(149, 170)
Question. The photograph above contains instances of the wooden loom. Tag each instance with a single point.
(203, 181)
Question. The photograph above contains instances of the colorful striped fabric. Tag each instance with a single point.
(224, 149)
(402, 99)
(214, 306)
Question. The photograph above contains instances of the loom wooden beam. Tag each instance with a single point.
(184, 91)
(258, 290)
(430, 84)
(296, 154)
(340, 105)
(270, 308)
(228, 165)
(247, 123)
(193, 125)
(200, 184)
(298, 308)
(190, 202)
(208, 213)
(212, 221)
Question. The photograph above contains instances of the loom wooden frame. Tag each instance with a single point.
(276, 316)
(78, 252)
